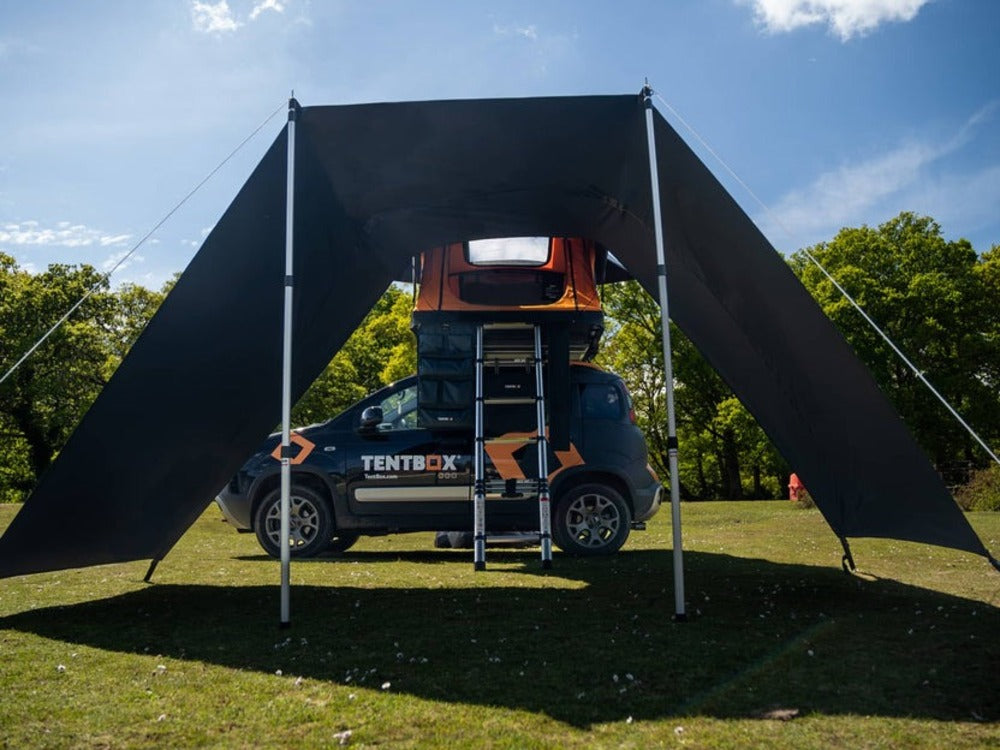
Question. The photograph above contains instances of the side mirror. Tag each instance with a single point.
(371, 418)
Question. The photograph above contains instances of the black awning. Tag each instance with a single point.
(376, 183)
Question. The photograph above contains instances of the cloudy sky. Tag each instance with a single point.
(833, 112)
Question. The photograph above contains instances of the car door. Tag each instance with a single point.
(399, 469)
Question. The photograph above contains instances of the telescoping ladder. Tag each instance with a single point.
(504, 356)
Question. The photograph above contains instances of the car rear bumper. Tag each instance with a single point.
(647, 501)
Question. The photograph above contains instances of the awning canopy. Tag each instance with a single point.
(376, 183)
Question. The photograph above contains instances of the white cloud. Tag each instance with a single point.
(845, 18)
(912, 176)
(837, 197)
(114, 259)
(63, 234)
(276, 5)
(209, 18)
(528, 32)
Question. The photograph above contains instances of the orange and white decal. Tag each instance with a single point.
(306, 446)
(502, 456)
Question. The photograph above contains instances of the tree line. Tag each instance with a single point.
(938, 300)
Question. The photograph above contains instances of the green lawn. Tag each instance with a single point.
(406, 646)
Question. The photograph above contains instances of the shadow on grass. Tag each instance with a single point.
(762, 635)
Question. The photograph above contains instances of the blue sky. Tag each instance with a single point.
(834, 112)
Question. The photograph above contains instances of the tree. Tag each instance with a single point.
(938, 301)
(380, 351)
(723, 449)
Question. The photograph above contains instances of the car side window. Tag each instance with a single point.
(601, 401)
(399, 410)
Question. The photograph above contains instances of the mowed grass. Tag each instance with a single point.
(405, 646)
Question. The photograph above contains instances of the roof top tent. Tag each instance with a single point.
(545, 280)
(508, 285)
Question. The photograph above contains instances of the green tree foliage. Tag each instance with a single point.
(939, 302)
(724, 453)
(381, 350)
(982, 492)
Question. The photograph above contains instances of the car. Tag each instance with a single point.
(371, 470)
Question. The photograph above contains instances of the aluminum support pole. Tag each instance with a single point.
(668, 370)
(286, 374)
(544, 499)
(479, 468)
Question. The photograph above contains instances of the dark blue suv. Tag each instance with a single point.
(372, 470)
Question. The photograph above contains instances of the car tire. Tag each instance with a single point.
(342, 541)
(311, 522)
(591, 520)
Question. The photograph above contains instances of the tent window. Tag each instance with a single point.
(511, 287)
(509, 251)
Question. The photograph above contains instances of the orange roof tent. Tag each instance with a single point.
(519, 283)
(526, 275)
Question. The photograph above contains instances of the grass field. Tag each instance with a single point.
(402, 645)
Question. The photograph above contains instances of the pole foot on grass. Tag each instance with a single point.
(680, 617)
(479, 566)
(149, 573)
(847, 561)
(285, 624)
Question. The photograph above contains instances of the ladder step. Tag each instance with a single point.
(511, 326)
(509, 400)
(511, 440)
(522, 486)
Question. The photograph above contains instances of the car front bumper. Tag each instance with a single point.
(235, 509)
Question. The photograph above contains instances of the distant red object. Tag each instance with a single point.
(795, 487)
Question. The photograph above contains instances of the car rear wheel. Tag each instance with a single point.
(310, 522)
(591, 519)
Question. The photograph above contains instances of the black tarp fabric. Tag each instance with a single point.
(376, 184)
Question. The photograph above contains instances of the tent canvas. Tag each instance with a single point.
(377, 183)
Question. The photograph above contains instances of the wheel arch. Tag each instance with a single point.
(563, 485)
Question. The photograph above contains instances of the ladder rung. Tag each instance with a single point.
(507, 326)
(509, 400)
(511, 440)
(526, 487)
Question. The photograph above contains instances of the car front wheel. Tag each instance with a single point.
(592, 519)
(342, 541)
(310, 522)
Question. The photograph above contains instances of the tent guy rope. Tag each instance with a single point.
(854, 303)
(104, 278)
